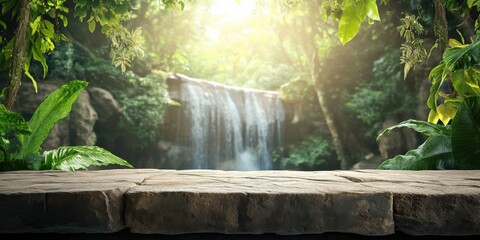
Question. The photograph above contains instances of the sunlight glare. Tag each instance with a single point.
(235, 10)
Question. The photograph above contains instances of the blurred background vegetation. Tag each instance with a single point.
(269, 45)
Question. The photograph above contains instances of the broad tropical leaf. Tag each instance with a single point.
(12, 121)
(426, 128)
(55, 107)
(437, 76)
(71, 158)
(354, 13)
(433, 154)
(460, 83)
(446, 112)
(466, 134)
(372, 10)
(464, 57)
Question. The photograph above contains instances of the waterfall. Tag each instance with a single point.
(225, 127)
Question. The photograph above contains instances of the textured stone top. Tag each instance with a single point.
(151, 201)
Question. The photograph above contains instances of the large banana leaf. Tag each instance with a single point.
(426, 128)
(466, 134)
(433, 154)
(71, 158)
(55, 107)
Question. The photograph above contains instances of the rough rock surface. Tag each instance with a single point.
(104, 103)
(366, 202)
(256, 202)
(75, 129)
(65, 202)
(82, 121)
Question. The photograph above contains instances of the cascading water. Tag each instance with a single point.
(222, 127)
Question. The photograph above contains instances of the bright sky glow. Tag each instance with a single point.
(228, 11)
(233, 9)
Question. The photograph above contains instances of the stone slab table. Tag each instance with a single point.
(152, 201)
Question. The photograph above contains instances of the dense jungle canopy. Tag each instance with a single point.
(345, 69)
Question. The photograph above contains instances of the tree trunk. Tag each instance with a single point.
(19, 56)
(319, 88)
(440, 25)
(328, 115)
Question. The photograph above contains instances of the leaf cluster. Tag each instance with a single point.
(311, 154)
(385, 96)
(29, 136)
(448, 147)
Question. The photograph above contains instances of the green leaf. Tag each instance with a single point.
(56, 106)
(437, 77)
(91, 26)
(35, 24)
(354, 13)
(458, 58)
(434, 154)
(470, 3)
(38, 55)
(459, 83)
(466, 134)
(64, 20)
(8, 6)
(472, 79)
(446, 112)
(26, 68)
(123, 7)
(372, 10)
(71, 158)
(433, 117)
(426, 128)
(12, 121)
(48, 29)
(2, 24)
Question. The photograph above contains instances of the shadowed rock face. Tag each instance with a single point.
(148, 201)
(94, 109)
(75, 129)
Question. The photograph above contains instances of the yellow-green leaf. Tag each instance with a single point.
(433, 117)
(91, 26)
(459, 83)
(454, 43)
(35, 24)
(354, 13)
(472, 79)
(27, 73)
(372, 10)
(446, 112)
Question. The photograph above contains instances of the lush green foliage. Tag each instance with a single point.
(144, 101)
(42, 35)
(71, 158)
(311, 154)
(455, 147)
(434, 154)
(413, 50)
(384, 97)
(459, 66)
(466, 134)
(426, 128)
(354, 13)
(54, 108)
(25, 155)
